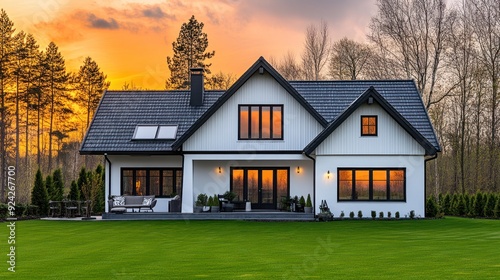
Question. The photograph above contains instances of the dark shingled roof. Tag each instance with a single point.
(120, 112)
(331, 98)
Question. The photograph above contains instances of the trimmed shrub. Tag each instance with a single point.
(431, 207)
(397, 215)
(381, 215)
(351, 215)
(49, 185)
(302, 201)
(210, 201)
(389, 214)
(496, 211)
(466, 198)
(478, 205)
(489, 206)
(374, 215)
(412, 214)
(459, 206)
(308, 201)
(74, 193)
(360, 214)
(58, 185)
(39, 195)
(446, 204)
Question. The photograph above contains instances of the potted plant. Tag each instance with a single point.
(201, 201)
(229, 196)
(215, 204)
(301, 204)
(308, 207)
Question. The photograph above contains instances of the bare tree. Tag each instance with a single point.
(220, 81)
(316, 52)
(349, 59)
(412, 33)
(485, 20)
(288, 67)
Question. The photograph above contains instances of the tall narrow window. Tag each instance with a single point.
(368, 125)
(260, 122)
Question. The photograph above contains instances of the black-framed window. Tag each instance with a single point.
(371, 184)
(160, 182)
(260, 122)
(369, 125)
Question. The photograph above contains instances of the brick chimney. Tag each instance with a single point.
(197, 85)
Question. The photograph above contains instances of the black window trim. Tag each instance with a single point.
(371, 169)
(249, 107)
(148, 169)
(376, 125)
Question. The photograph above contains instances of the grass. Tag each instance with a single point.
(450, 248)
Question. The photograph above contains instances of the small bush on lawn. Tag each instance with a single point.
(374, 215)
(381, 215)
(397, 214)
(496, 211)
(489, 207)
(389, 214)
(459, 205)
(479, 205)
(431, 207)
(351, 215)
(412, 214)
(3, 210)
(360, 214)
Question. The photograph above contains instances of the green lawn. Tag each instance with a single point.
(419, 249)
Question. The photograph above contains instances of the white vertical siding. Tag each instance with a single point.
(392, 139)
(326, 188)
(220, 132)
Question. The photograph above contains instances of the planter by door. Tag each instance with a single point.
(308, 209)
(198, 209)
(214, 209)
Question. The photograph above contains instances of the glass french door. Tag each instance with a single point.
(264, 187)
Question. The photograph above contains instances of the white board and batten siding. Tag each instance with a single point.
(220, 131)
(392, 139)
(118, 162)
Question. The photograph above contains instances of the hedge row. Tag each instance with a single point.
(21, 210)
(478, 205)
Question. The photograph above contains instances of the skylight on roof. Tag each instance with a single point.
(149, 132)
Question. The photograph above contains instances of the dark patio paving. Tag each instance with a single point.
(237, 215)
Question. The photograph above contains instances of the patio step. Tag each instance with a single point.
(259, 216)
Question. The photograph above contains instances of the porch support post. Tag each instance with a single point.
(187, 185)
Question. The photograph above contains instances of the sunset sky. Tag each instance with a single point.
(130, 39)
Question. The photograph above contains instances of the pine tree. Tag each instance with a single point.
(189, 52)
(446, 204)
(91, 84)
(478, 205)
(39, 195)
(100, 200)
(30, 66)
(6, 53)
(58, 183)
(82, 181)
(49, 185)
(57, 89)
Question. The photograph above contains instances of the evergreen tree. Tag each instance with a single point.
(81, 182)
(189, 52)
(74, 193)
(57, 96)
(489, 206)
(49, 185)
(58, 183)
(497, 208)
(39, 195)
(30, 63)
(446, 204)
(100, 200)
(478, 205)
(91, 84)
(6, 57)
(431, 207)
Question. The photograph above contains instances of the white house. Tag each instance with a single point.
(359, 145)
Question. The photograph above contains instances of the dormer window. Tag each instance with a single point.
(260, 122)
(150, 132)
(369, 125)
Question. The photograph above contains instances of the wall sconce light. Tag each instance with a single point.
(298, 169)
(220, 170)
(328, 174)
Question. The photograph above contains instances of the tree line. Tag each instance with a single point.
(453, 55)
(44, 109)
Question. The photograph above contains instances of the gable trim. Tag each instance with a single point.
(259, 66)
(363, 98)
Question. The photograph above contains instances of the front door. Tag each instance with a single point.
(263, 187)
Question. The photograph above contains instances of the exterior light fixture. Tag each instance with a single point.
(298, 169)
(220, 170)
(328, 174)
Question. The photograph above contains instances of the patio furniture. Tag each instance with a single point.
(54, 207)
(139, 202)
(71, 207)
(84, 208)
